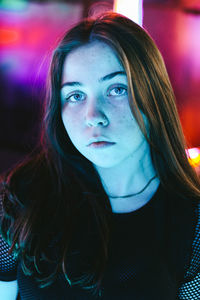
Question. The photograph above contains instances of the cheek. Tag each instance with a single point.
(68, 118)
(64, 120)
(67, 122)
(72, 126)
(125, 118)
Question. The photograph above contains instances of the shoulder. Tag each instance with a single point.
(8, 263)
(194, 267)
(190, 287)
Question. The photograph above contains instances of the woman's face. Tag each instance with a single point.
(95, 107)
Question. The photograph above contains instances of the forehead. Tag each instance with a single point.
(94, 59)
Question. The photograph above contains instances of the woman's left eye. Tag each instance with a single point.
(118, 91)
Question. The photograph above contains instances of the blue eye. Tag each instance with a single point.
(74, 98)
(118, 91)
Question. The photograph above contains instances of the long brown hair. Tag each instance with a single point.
(56, 195)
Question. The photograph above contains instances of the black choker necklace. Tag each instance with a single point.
(126, 196)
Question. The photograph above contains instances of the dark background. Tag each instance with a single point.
(29, 30)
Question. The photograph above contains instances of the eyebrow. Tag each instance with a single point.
(107, 77)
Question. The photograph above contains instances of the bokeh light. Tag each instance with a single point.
(193, 155)
(131, 9)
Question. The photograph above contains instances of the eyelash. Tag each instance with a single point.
(67, 99)
(119, 87)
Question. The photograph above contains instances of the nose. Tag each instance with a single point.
(95, 117)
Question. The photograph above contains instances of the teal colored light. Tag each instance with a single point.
(14, 5)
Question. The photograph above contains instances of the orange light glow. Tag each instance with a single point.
(193, 155)
(8, 36)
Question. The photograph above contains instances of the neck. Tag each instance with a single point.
(129, 177)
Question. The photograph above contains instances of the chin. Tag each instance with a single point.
(104, 163)
(103, 160)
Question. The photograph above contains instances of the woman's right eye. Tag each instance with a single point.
(76, 97)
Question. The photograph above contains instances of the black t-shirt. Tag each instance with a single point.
(150, 254)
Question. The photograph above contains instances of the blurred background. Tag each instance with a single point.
(29, 31)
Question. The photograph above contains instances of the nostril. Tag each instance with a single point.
(97, 120)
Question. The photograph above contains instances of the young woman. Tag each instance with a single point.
(108, 207)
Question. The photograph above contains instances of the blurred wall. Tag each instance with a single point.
(176, 31)
(28, 34)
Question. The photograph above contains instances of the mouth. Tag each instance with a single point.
(101, 144)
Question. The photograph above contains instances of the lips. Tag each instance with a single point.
(98, 139)
(100, 144)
